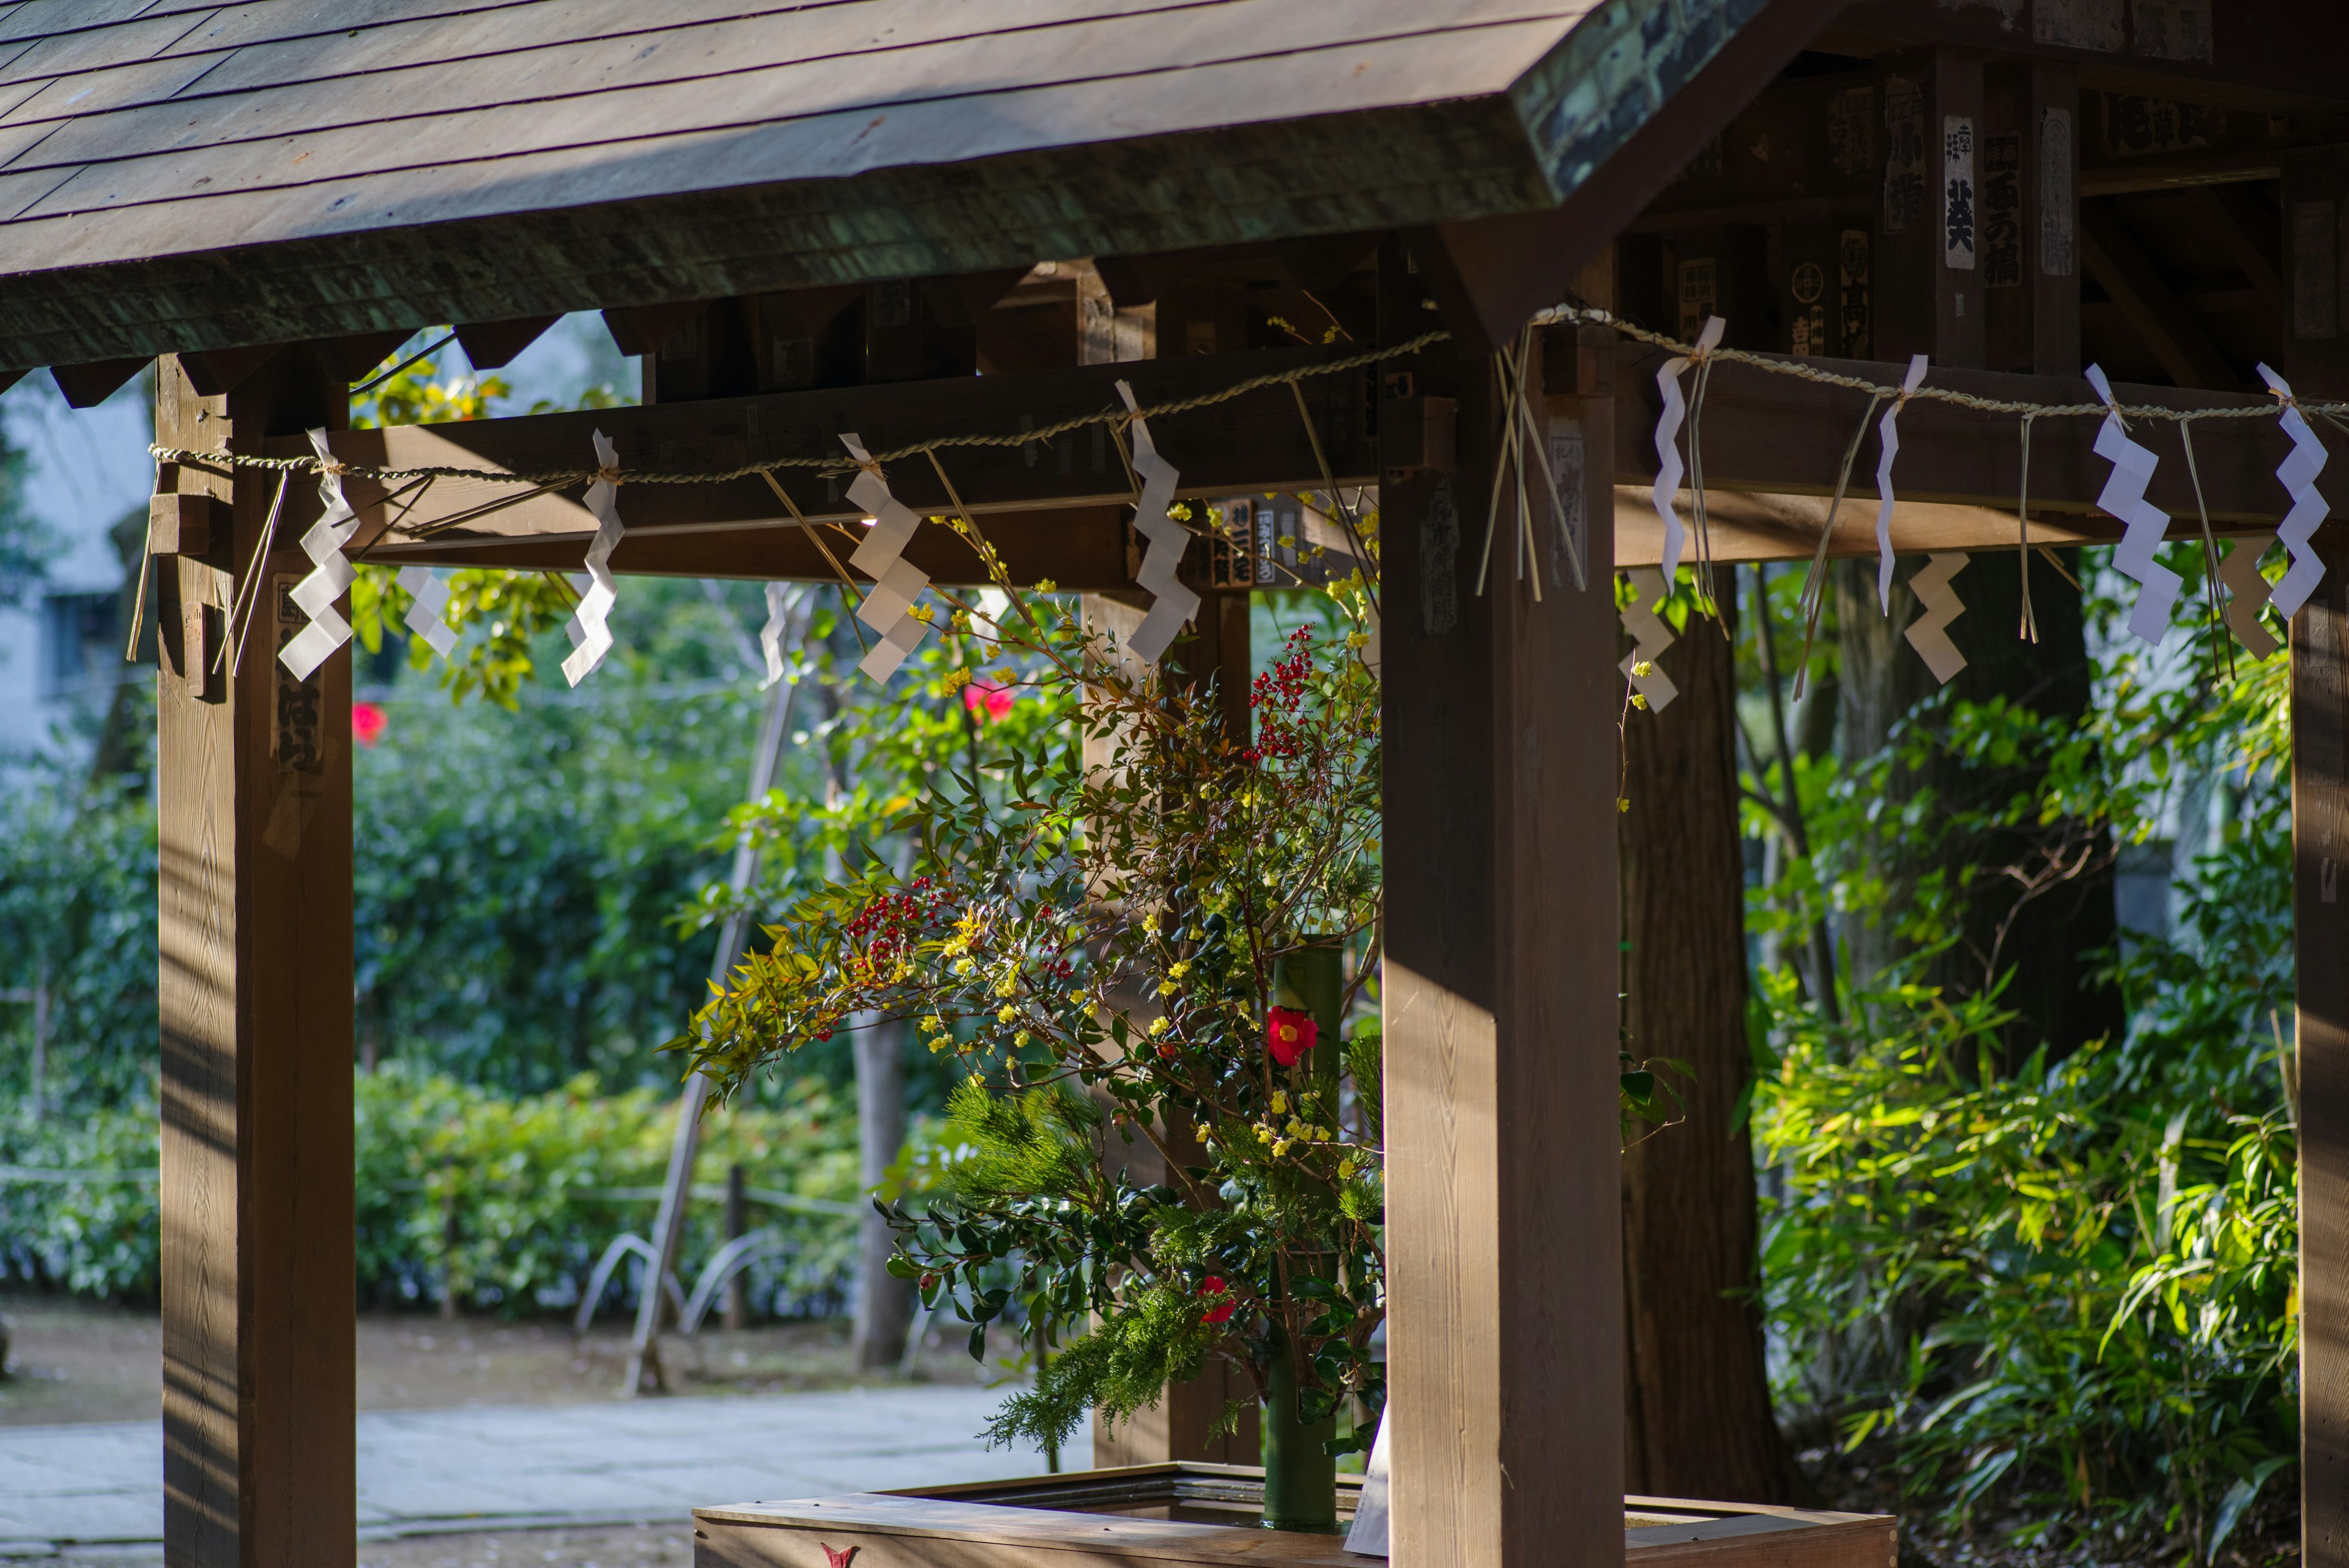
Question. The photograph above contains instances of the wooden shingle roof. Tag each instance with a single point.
(176, 175)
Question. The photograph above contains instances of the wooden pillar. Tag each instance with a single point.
(1504, 1229)
(1928, 284)
(2051, 172)
(254, 819)
(2320, 847)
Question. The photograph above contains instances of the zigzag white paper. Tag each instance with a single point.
(427, 609)
(1888, 436)
(329, 577)
(1174, 604)
(896, 582)
(1928, 633)
(2145, 523)
(2247, 591)
(590, 628)
(771, 636)
(1651, 636)
(2298, 473)
(1669, 467)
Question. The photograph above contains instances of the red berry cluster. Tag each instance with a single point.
(889, 923)
(1277, 695)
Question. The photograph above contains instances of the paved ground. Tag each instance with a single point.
(424, 1470)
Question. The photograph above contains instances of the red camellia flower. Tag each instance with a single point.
(1288, 1035)
(1221, 1306)
(367, 719)
(996, 699)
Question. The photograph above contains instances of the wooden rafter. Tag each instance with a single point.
(2161, 320)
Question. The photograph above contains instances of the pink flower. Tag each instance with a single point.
(367, 722)
(1288, 1036)
(996, 699)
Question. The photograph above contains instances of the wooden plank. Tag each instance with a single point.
(1505, 1339)
(2258, 59)
(1779, 434)
(2320, 844)
(259, 1264)
(1076, 1518)
(336, 128)
(1953, 160)
(1253, 443)
(586, 49)
(2051, 243)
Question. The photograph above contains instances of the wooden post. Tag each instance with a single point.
(1505, 1269)
(2051, 243)
(2320, 844)
(1960, 315)
(255, 817)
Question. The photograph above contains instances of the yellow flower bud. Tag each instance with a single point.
(1639, 702)
(1166, 988)
(1007, 1013)
(1279, 1102)
(1158, 1025)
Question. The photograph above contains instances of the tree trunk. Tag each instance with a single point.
(1698, 1421)
(884, 1303)
(2051, 941)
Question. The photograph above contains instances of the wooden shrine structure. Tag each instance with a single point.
(910, 219)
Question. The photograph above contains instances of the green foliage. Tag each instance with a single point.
(78, 914)
(2056, 1295)
(517, 876)
(530, 1180)
(95, 1238)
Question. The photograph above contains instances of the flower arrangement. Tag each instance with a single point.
(1162, 942)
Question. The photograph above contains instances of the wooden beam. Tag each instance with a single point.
(1778, 434)
(1505, 1353)
(1953, 160)
(254, 808)
(2051, 236)
(1081, 549)
(2165, 325)
(493, 345)
(1252, 443)
(2319, 847)
(86, 386)
(2253, 58)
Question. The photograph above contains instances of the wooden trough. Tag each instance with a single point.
(1207, 1515)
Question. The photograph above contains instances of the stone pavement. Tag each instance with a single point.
(488, 1468)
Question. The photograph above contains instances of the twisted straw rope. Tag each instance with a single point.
(1780, 367)
(556, 479)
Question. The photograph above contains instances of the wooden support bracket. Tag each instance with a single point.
(2168, 327)
(180, 524)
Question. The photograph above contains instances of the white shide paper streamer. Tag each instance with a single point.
(771, 636)
(329, 577)
(590, 629)
(1174, 605)
(2247, 592)
(1669, 467)
(896, 582)
(1649, 635)
(2145, 523)
(1888, 436)
(1928, 633)
(428, 610)
(2297, 473)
